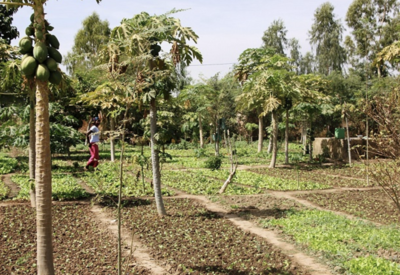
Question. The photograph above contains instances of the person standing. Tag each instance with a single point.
(93, 136)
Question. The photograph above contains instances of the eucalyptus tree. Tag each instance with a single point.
(275, 37)
(87, 44)
(326, 36)
(294, 54)
(157, 72)
(373, 26)
(43, 160)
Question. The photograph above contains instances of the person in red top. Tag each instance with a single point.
(93, 136)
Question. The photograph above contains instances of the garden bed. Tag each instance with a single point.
(191, 239)
(373, 205)
(81, 246)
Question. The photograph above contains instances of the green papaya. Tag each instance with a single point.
(39, 34)
(53, 53)
(28, 66)
(32, 17)
(29, 31)
(38, 27)
(42, 73)
(25, 45)
(52, 39)
(51, 64)
(55, 78)
(40, 52)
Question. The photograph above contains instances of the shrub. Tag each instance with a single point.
(213, 163)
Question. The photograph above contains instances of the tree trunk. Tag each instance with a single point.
(201, 132)
(269, 150)
(43, 180)
(304, 136)
(287, 138)
(112, 141)
(270, 139)
(260, 133)
(216, 140)
(32, 145)
(155, 160)
(274, 139)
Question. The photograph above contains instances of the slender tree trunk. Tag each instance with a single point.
(274, 139)
(43, 181)
(155, 160)
(201, 132)
(32, 145)
(112, 141)
(269, 150)
(304, 136)
(270, 139)
(287, 138)
(216, 139)
(260, 133)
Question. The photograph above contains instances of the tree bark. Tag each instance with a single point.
(43, 181)
(112, 141)
(260, 133)
(201, 132)
(304, 136)
(155, 160)
(274, 139)
(287, 138)
(32, 145)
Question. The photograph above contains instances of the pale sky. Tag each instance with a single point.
(225, 28)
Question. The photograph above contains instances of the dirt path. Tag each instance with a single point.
(14, 189)
(86, 187)
(270, 236)
(139, 252)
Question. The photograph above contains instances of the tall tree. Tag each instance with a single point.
(294, 54)
(326, 36)
(7, 32)
(373, 24)
(251, 62)
(159, 29)
(87, 43)
(275, 37)
(43, 160)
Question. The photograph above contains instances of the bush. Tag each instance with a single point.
(213, 163)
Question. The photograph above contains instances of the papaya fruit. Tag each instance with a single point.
(25, 45)
(32, 17)
(42, 73)
(55, 54)
(55, 78)
(39, 34)
(28, 66)
(40, 52)
(51, 64)
(29, 31)
(52, 39)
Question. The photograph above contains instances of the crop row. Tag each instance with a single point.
(106, 181)
(7, 164)
(64, 187)
(198, 184)
(353, 245)
(315, 176)
(3, 190)
(373, 205)
(263, 181)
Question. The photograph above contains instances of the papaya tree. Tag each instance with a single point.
(37, 64)
(159, 29)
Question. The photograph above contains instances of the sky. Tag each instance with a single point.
(225, 28)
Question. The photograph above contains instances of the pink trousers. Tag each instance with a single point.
(94, 155)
